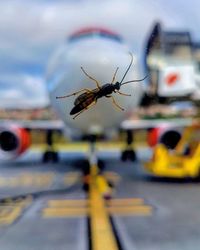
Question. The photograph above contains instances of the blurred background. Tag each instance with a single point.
(151, 163)
(29, 38)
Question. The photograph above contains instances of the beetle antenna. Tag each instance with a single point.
(139, 80)
(127, 68)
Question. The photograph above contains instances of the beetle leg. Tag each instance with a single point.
(89, 106)
(97, 83)
(75, 93)
(113, 80)
(122, 93)
(115, 103)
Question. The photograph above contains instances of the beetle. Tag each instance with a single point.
(89, 97)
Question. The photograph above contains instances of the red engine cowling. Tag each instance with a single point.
(165, 135)
(13, 142)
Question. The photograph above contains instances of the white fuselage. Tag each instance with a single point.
(100, 57)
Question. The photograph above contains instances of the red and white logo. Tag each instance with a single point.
(172, 79)
(176, 80)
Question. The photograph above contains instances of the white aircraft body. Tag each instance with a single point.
(99, 52)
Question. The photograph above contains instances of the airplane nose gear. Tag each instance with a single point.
(129, 152)
(50, 155)
(93, 172)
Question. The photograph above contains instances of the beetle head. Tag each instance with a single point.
(117, 85)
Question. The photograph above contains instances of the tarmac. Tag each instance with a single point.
(44, 206)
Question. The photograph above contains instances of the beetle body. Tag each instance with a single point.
(83, 101)
(106, 89)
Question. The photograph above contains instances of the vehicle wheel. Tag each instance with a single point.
(50, 156)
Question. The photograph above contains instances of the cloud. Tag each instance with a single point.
(23, 91)
(30, 30)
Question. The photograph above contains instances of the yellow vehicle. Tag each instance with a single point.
(183, 161)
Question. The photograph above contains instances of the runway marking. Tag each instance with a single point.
(112, 176)
(119, 207)
(65, 212)
(99, 211)
(27, 180)
(9, 214)
(35, 179)
(67, 203)
(131, 210)
(11, 210)
(71, 177)
(102, 235)
(125, 201)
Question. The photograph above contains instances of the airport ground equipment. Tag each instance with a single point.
(159, 131)
(183, 161)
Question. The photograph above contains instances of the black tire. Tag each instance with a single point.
(50, 156)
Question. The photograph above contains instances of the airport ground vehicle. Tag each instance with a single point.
(183, 161)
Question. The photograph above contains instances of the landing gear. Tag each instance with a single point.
(129, 152)
(93, 177)
(50, 155)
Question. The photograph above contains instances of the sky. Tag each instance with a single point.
(32, 30)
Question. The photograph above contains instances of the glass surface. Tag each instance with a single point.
(46, 156)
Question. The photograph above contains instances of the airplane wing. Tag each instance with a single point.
(34, 124)
(125, 125)
(16, 139)
(152, 123)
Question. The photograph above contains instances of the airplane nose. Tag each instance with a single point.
(99, 58)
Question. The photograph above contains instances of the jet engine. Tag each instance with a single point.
(13, 142)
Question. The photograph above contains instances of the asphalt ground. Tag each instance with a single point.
(43, 206)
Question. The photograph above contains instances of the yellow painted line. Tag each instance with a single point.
(102, 234)
(102, 185)
(11, 215)
(36, 179)
(71, 178)
(127, 211)
(27, 179)
(22, 202)
(84, 147)
(10, 210)
(68, 203)
(125, 202)
(4, 211)
(73, 208)
(9, 182)
(65, 212)
(112, 176)
(117, 145)
(71, 147)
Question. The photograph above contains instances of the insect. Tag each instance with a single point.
(89, 97)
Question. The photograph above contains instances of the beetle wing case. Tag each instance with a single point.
(75, 110)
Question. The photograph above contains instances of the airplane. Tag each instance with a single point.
(100, 52)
